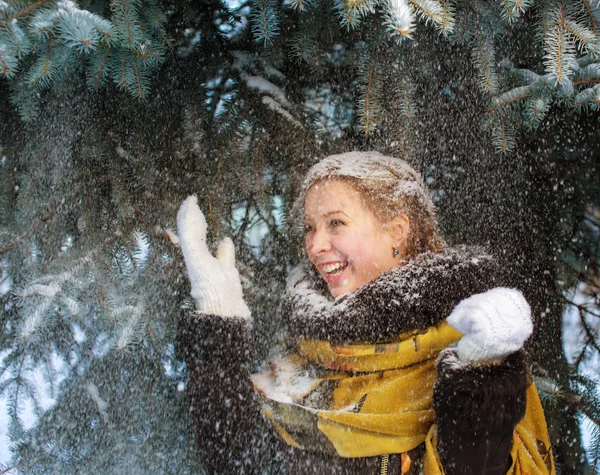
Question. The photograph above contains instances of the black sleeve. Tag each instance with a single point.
(477, 409)
(231, 433)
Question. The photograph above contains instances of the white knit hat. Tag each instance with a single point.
(401, 178)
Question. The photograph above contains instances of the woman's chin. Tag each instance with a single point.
(340, 287)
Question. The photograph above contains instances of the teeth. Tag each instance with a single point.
(330, 268)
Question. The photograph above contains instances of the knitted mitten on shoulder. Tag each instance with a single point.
(494, 324)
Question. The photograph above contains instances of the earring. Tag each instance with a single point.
(396, 252)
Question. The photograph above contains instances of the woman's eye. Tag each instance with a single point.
(336, 223)
(307, 228)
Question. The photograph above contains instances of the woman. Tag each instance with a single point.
(401, 355)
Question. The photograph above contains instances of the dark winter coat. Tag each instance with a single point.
(477, 407)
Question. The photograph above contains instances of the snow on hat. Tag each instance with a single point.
(394, 173)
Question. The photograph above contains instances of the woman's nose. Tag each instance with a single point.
(319, 242)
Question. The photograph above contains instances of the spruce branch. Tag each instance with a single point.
(265, 21)
(302, 5)
(513, 9)
(44, 69)
(303, 48)
(483, 58)
(399, 18)
(589, 10)
(590, 335)
(503, 136)
(535, 110)
(585, 36)
(350, 11)
(509, 98)
(587, 75)
(448, 17)
(156, 18)
(42, 24)
(369, 92)
(4, 469)
(576, 402)
(126, 19)
(551, 391)
(428, 10)
(77, 34)
(464, 28)
(22, 13)
(32, 228)
(544, 20)
(595, 452)
(13, 34)
(560, 50)
(130, 326)
(8, 61)
(588, 99)
(129, 73)
(97, 72)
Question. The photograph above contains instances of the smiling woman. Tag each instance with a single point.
(401, 355)
(376, 214)
(345, 241)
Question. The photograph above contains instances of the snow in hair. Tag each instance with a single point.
(390, 185)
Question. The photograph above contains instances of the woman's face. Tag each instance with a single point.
(345, 241)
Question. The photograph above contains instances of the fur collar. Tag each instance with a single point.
(418, 295)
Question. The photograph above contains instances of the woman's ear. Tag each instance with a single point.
(399, 227)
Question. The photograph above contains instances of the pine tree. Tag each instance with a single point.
(114, 111)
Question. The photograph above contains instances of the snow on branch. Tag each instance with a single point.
(428, 10)
(587, 75)
(35, 320)
(510, 97)
(266, 87)
(399, 18)
(129, 325)
(588, 99)
(101, 404)
(276, 106)
(47, 292)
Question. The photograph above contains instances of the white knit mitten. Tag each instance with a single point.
(216, 286)
(494, 324)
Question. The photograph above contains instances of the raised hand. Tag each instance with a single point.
(216, 286)
(494, 324)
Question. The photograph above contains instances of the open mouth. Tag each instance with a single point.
(334, 269)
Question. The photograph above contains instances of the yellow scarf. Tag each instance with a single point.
(369, 400)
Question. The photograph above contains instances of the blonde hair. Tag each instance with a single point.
(389, 187)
